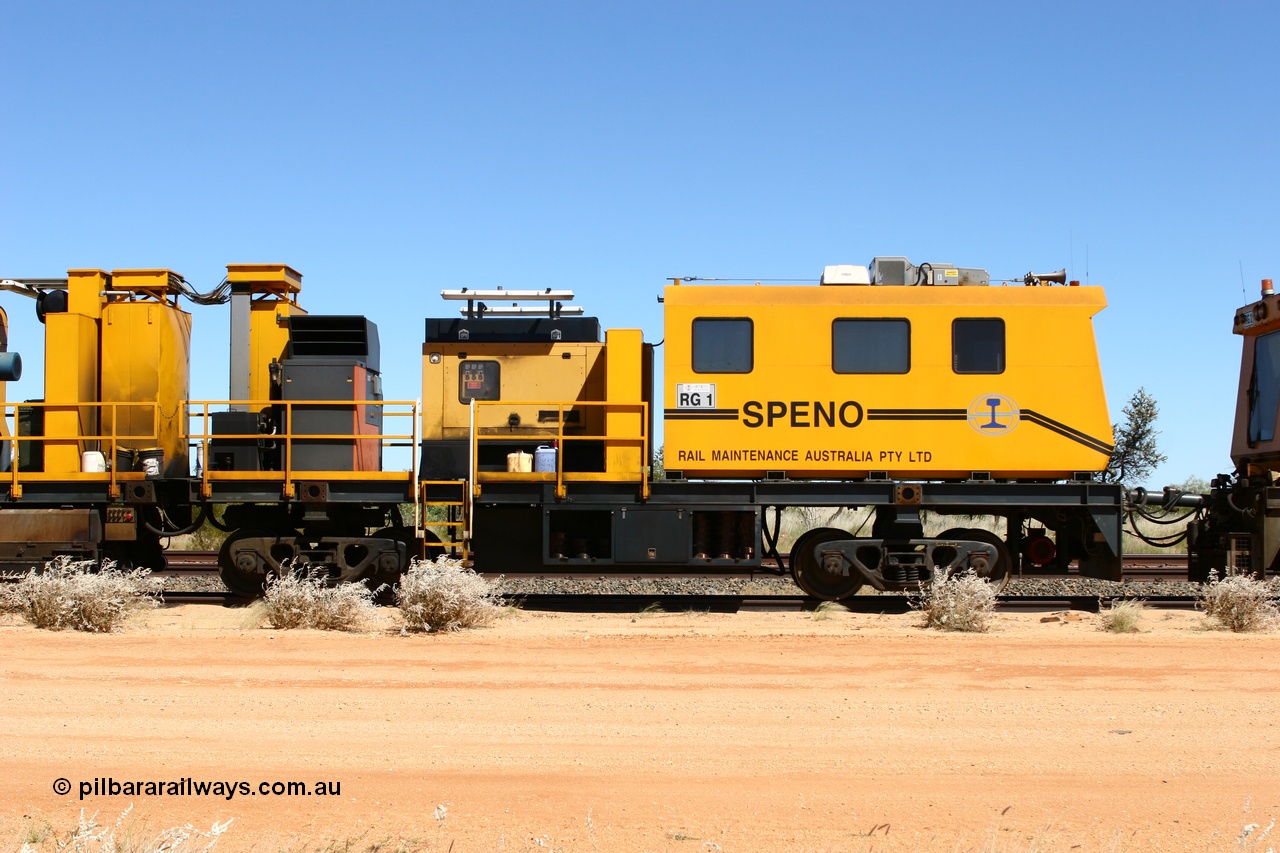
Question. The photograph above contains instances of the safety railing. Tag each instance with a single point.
(286, 442)
(611, 438)
(77, 441)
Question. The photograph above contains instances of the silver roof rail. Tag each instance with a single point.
(477, 307)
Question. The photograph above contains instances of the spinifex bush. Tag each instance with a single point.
(1122, 617)
(1241, 602)
(442, 595)
(71, 594)
(962, 602)
(301, 599)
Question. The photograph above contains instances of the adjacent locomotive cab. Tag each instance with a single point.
(1255, 440)
(1240, 532)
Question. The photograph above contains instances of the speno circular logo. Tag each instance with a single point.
(993, 414)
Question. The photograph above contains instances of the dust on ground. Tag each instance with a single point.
(652, 732)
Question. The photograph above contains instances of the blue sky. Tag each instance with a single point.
(391, 150)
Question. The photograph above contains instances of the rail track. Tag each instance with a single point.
(693, 603)
(1137, 567)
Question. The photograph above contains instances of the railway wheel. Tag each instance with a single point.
(998, 573)
(240, 574)
(808, 572)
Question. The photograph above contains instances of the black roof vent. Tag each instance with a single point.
(334, 336)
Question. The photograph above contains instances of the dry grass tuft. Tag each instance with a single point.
(962, 602)
(1253, 836)
(443, 595)
(1250, 839)
(1122, 618)
(302, 599)
(91, 837)
(71, 594)
(1241, 603)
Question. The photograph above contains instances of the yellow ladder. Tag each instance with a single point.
(454, 530)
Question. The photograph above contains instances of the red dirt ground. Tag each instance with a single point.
(688, 732)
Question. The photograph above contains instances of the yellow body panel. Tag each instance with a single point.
(279, 279)
(71, 378)
(84, 291)
(528, 371)
(792, 413)
(146, 359)
(624, 377)
(268, 337)
(71, 371)
(151, 283)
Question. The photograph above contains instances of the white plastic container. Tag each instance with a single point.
(152, 462)
(93, 462)
(544, 460)
(519, 462)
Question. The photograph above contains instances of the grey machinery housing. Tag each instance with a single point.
(328, 357)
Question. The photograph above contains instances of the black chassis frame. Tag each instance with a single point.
(185, 492)
(62, 493)
(524, 547)
(511, 521)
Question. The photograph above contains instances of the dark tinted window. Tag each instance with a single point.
(479, 380)
(722, 346)
(871, 346)
(1264, 389)
(977, 345)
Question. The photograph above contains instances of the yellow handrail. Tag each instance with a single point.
(111, 439)
(560, 437)
(200, 410)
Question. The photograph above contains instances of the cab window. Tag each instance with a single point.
(977, 345)
(1264, 389)
(871, 346)
(723, 345)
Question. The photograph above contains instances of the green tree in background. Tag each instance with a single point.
(1136, 454)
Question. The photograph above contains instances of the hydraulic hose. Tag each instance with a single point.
(201, 516)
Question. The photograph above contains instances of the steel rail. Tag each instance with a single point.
(696, 603)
